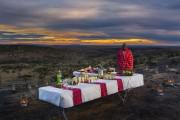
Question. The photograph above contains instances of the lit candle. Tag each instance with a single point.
(24, 101)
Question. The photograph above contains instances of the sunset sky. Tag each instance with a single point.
(109, 22)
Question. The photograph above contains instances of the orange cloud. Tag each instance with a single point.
(52, 34)
(119, 41)
(52, 37)
(43, 42)
(91, 42)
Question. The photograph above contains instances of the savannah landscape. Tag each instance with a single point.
(25, 68)
(40, 37)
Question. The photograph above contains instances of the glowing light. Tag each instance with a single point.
(119, 41)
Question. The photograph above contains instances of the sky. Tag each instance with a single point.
(109, 22)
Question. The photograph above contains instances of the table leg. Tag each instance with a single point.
(123, 96)
(64, 114)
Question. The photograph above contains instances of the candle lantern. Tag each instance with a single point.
(78, 79)
(24, 101)
(75, 80)
(170, 82)
(159, 90)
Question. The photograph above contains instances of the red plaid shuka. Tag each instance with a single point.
(125, 59)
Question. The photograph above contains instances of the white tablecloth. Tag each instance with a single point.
(110, 84)
(56, 96)
(89, 91)
(64, 98)
(131, 81)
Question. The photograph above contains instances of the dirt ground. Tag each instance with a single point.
(141, 104)
(21, 66)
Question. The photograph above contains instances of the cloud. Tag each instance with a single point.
(58, 13)
(16, 35)
(91, 19)
(39, 35)
(120, 41)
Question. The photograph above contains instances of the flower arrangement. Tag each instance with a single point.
(127, 73)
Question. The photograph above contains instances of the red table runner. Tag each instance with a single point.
(77, 97)
(120, 84)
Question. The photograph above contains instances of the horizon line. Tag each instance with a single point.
(171, 45)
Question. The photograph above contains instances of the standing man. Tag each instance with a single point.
(125, 60)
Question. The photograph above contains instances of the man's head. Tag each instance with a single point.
(124, 46)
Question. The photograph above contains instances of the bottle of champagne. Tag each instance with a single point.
(59, 78)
